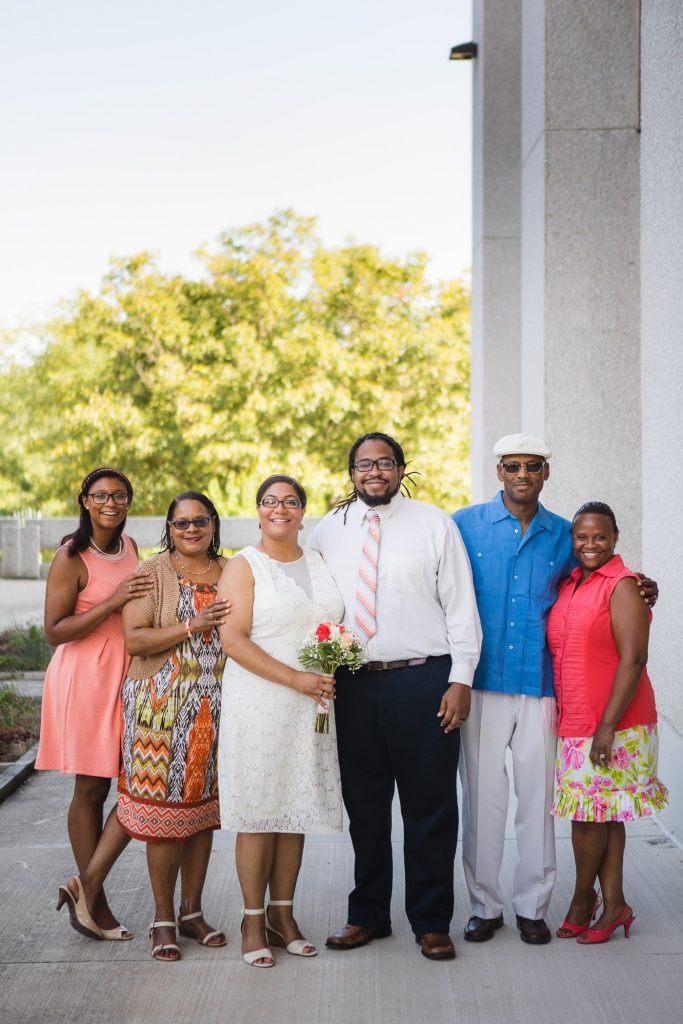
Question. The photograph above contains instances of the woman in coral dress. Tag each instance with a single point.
(171, 702)
(93, 575)
(606, 774)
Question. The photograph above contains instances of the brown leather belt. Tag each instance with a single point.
(381, 666)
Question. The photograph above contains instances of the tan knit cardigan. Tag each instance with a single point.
(160, 605)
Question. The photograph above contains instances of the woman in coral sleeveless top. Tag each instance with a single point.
(606, 772)
(93, 575)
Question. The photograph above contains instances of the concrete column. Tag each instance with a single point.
(580, 251)
(20, 543)
(496, 235)
(662, 369)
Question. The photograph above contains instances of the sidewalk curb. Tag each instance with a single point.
(17, 773)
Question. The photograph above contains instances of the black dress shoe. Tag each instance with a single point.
(351, 936)
(535, 932)
(481, 929)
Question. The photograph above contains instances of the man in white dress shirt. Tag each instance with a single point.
(398, 717)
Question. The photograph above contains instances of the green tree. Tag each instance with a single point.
(276, 359)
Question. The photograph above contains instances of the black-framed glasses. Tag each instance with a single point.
(270, 501)
(184, 524)
(102, 497)
(531, 467)
(364, 465)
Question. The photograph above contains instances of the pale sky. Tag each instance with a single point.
(158, 124)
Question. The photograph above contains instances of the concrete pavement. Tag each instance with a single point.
(49, 974)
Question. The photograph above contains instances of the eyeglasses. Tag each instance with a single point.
(514, 467)
(102, 497)
(184, 524)
(270, 501)
(365, 465)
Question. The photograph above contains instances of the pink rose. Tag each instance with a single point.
(323, 632)
(346, 640)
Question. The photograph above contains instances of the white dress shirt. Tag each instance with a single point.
(425, 597)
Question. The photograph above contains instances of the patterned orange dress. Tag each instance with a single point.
(168, 786)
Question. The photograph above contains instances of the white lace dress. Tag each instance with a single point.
(275, 773)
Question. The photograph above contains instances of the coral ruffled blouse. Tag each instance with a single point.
(585, 655)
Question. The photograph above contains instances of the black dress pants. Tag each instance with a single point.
(388, 734)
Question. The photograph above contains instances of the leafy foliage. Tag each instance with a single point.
(24, 649)
(275, 360)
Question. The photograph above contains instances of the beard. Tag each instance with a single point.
(372, 500)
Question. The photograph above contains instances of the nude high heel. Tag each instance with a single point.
(595, 935)
(79, 915)
(254, 955)
(297, 946)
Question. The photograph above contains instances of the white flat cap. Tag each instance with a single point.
(521, 444)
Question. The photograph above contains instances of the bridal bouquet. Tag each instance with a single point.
(323, 650)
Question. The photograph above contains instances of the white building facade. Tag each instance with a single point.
(577, 305)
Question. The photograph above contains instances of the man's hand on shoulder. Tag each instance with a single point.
(455, 706)
(649, 591)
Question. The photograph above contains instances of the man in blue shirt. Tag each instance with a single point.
(519, 553)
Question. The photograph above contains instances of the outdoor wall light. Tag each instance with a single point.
(465, 51)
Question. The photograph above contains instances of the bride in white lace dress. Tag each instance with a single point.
(277, 777)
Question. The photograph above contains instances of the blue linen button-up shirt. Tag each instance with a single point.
(516, 577)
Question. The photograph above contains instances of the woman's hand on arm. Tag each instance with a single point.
(144, 638)
(237, 584)
(631, 627)
(67, 577)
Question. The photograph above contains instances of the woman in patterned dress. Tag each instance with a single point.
(171, 708)
(606, 774)
(93, 575)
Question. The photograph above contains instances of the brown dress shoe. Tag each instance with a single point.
(351, 936)
(481, 929)
(436, 946)
(535, 932)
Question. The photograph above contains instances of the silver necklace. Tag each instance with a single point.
(193, 572)
(108, 554)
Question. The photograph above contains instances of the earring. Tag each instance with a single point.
(301, 526)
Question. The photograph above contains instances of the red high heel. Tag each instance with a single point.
(578, 929)
(593, 935)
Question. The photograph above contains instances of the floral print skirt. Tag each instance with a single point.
(624, 789)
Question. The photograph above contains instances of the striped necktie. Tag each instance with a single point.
(366, 589)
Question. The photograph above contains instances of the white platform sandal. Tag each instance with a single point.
(162, 947)
(254, 955)
(297, 947)
(210, 937)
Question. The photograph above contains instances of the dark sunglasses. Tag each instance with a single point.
(184, 524)
(514, 467)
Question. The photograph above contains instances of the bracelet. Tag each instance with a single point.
(187, 628)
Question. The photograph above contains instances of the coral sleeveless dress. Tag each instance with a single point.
(80, 730)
